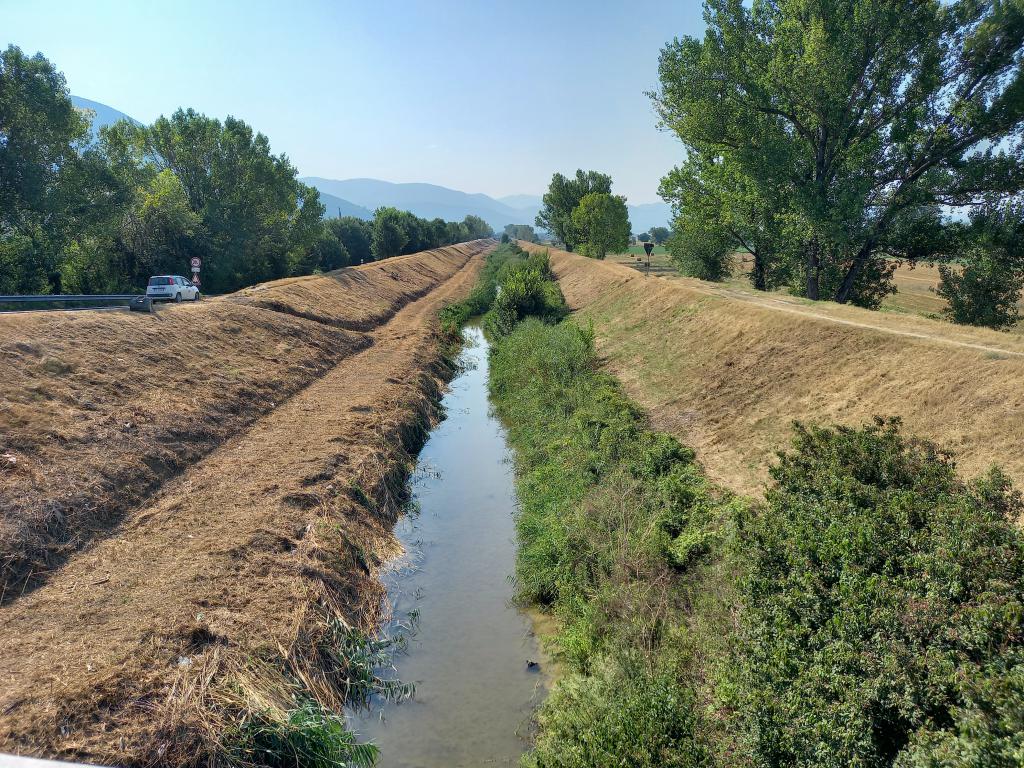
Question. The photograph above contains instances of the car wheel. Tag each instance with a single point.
(177, 298)
(198, 296)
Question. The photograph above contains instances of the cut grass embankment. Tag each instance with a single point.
(223, 618)
(868, 612)
(728, 371)
(97, 409)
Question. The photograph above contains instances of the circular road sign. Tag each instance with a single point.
(196, 263)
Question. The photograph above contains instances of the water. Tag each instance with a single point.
(468, 656)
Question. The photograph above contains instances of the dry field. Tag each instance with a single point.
(728, 370)
(200, 496)
(915, 284)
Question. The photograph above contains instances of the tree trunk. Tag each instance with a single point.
(758, 275)
(846, 288)
(813, 268)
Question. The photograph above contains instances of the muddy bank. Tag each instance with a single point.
(220, 598)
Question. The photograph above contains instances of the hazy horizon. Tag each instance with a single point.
(486, 100)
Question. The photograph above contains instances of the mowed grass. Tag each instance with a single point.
(916, 285)
(727, 371)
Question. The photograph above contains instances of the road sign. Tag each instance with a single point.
(196, 263)
(648, 246)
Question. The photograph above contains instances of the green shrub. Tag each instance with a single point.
(526, 288)
(480, 299)
(984, 292)
(623, 714)
(882, 613)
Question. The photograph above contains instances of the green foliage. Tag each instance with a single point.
(310, 736)
(521, 232)
(526, 288)
(477, 228)
(810, 130)
(102, 216)
(480, 299)
(986, 290)
(882, 611)
(622, 714)
(660, 235)
(608, 510)
(54, 187)
(389, 233)
(602, 224)
(561, 199)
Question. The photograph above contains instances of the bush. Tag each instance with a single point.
(985, 292)
(526, 289)
(882, 613)
(480, 299)
(623, 714)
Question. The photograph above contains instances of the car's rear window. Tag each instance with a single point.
(161, 281)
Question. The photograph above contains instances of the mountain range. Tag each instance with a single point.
(430, 201)
(359, 197)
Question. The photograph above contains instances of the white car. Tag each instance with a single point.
(172, 288)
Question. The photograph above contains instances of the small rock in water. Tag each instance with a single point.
(532, 665)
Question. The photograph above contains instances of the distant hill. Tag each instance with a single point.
(104, 115)
(648, 215)
(522, 201)
(337, 207)
(431, 200)
(426, 200)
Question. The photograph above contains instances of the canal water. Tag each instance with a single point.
(469, 650)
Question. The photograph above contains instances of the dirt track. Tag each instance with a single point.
(729, 370)
(236, 557)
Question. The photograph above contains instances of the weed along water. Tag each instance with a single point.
(469, 650)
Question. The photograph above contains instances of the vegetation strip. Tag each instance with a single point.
(869, 612)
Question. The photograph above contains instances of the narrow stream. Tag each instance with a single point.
(468, 654)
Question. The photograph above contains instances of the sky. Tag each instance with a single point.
(480, 96)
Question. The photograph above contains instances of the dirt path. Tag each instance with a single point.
(231, 555)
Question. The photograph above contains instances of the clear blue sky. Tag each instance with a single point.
(481, 96)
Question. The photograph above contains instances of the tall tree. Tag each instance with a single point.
(868, 114)
(52, 187)
(388, 233)
(602, 223)
(660, 235)
(354, 234)
(477, 227)
(561, 199)
(521, 232)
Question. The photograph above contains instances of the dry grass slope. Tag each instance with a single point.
(217, 594)
(728, 371)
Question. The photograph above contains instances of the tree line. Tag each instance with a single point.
(89, 214)
(834, 140)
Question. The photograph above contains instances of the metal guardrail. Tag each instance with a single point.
(65, 297)
(136, 302)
